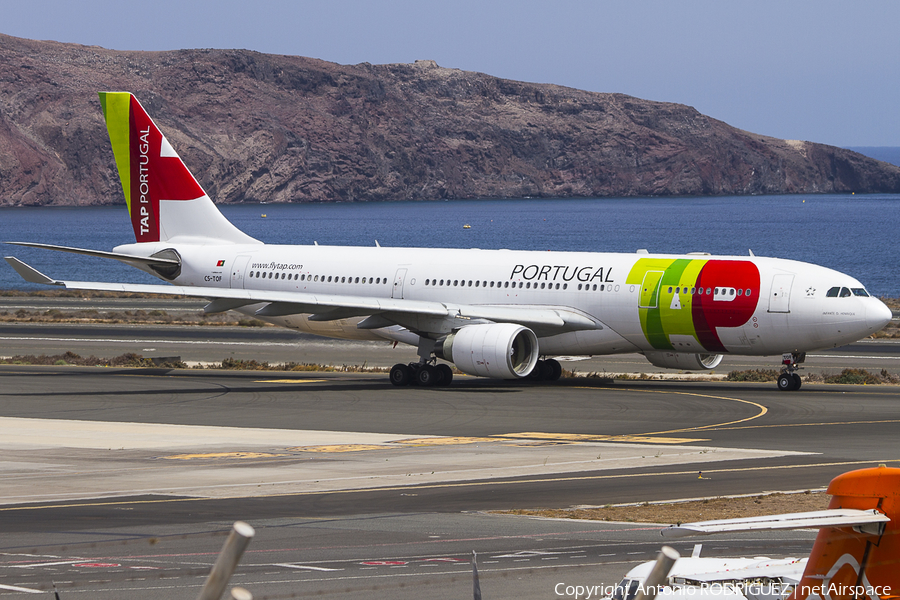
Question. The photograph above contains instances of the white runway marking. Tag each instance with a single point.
(307, 567)
(14, 588)
(145, 341)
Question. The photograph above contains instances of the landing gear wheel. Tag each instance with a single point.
(445, 375)
(786, 382)
(401, 374)
(555, 369)
(790, 380)
(427, 375)
(539, 372)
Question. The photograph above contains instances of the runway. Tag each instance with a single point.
(121, 481)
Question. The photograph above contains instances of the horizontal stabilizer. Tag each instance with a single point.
(29, 273)
(128, 258)
(840, 517)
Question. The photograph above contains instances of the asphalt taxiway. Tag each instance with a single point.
(121, 481)
(116, 480)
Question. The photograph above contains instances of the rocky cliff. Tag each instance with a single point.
(256, 127)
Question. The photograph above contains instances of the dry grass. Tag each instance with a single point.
(131, 317)
(846, 376)
(129, 360)
(686, 512)
(132, 360)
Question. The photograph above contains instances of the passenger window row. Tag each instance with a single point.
(509, 284)
(317, 278)
(699, 291)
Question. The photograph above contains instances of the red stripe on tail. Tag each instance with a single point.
(154, 177)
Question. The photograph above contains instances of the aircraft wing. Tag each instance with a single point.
(325, 307)
(839, 517)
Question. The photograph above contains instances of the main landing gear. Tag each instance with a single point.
(789, 380)
(428, 374)
(546, 370)
(424, 374)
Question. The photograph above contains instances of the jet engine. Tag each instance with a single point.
(684, 360)
(498, 350)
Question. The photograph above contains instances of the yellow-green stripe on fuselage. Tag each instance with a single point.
(659, 319)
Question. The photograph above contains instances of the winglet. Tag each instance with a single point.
(29, 273)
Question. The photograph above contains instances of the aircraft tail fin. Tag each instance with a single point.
(857, 562)
(165, 201)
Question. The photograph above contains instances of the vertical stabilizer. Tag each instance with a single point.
(165, 201)
(863, 561)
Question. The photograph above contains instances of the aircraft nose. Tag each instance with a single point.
(877, 315)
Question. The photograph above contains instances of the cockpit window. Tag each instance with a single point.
(845, 293)
(626, 589)
(860, 292)
(833, 292)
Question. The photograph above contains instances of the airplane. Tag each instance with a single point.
(492, 313)
(855, 555)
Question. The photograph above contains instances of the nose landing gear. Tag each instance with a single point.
(790, 380)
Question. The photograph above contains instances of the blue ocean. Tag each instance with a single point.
(855, 234)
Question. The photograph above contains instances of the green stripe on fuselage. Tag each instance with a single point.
(669, 316)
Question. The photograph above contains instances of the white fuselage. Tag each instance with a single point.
(641, 302)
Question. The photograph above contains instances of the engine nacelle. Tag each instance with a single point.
(498, 350)
(684, 360)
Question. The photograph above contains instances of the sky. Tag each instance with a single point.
(820, 70)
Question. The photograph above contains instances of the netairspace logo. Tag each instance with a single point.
(588, 592)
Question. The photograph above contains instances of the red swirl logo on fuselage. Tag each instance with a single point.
(708, 312)
(685, 297)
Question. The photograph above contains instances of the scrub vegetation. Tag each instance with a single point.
(236, 364)
(132, 360)
(70, 358)
(847, 376)
(697, 510)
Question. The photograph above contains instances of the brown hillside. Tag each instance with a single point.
(257, 127)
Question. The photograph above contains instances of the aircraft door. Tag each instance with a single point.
(399, 278)
(780, 293)
(239, 271)
(650, 290)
